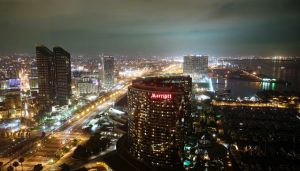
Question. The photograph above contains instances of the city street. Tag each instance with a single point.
(44, 151)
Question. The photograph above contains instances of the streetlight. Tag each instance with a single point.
(51, 161)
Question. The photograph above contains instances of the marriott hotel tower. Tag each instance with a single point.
(159, 108)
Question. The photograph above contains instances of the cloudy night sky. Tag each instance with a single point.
(152, 27)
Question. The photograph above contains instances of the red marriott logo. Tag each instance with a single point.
(161, 96)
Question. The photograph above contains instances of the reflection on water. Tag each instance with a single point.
(244, 88)
(284, 70)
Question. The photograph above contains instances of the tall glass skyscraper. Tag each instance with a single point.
(62, 75)
(46, 76)
(54, 76)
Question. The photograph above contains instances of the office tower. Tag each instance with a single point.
(107, 72)
(62, 75)
(54, 76)
(157, 108)
(196, 66)
(46, 76)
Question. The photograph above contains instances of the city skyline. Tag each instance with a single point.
(141, 28)
(131, 85)
(147, 113)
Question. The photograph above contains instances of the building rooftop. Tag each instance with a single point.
(160, 83)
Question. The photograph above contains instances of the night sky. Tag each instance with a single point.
(152, 27)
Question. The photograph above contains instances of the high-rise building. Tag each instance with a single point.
(54, 76)
(46, 75)
(62, 75)
(107, 72)
(157, 108)
(196, 66)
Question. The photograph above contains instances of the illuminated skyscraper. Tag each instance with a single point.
(196, 66)
(107, 72)
(46, 76)
(157, 109)
(62, 75)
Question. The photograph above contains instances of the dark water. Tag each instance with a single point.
(283, 70)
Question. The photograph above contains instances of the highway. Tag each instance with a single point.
(44, 151)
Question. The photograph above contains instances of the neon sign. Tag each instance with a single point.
(161, 96)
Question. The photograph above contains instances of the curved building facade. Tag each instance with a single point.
(157, 107)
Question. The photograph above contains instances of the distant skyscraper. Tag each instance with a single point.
(62, 76)
(46, 76)
(196, 66)
(107, 73)
(157, 107)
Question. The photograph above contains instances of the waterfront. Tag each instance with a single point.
(278, 69)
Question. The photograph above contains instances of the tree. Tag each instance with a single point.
(65, 167)
(16, 164)
(43, 134)
(74, 142)
(81, 152)
(21, 160)
(10, 168)
(1, 164)
(38, 167)
(81, 169)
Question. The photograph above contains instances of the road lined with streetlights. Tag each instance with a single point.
(43, 151)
